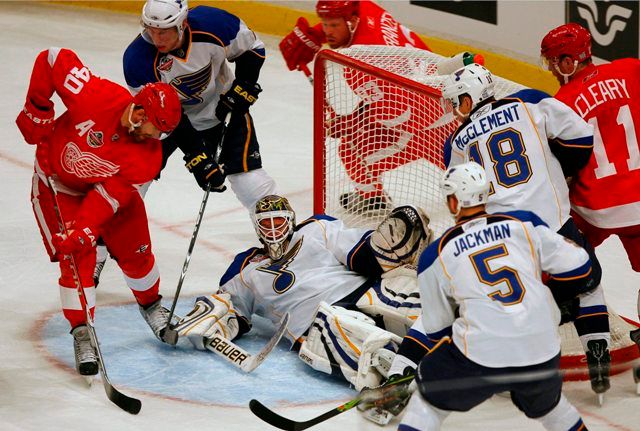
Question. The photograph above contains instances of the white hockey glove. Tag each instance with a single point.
(349, 342)
(400, 238)
(211, 315)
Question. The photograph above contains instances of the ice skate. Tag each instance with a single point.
(85, 353)
(156, 316)
(353, 202)
(599, 362)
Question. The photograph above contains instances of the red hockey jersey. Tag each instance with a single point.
(90, 152)
(378, 27)
(606, 193)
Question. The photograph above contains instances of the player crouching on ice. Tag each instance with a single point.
(351, 293)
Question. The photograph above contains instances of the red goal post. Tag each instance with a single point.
(379, 126)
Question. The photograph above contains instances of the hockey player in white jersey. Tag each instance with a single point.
(340, 285)
(191, 51)
(490, 321)
(528, 143)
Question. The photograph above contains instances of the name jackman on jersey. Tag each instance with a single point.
(485, 236)
(485, 125)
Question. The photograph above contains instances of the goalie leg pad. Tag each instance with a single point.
(346, 343)
(212, 315)
(400, 238)
(396, 298)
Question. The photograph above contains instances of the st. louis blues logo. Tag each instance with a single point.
(94, 139)
(191, 86)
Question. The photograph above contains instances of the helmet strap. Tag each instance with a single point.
(567, 76)
(132, 125)
(352, 29)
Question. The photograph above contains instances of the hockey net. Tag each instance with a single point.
(379, 127)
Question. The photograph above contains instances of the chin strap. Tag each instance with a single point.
(566, 76)
(132, 125)
(352, 30)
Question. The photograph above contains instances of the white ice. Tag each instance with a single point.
(38, 391)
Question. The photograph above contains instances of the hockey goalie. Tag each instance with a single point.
(351, 293)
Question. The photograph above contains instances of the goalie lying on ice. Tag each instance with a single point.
(347, 314)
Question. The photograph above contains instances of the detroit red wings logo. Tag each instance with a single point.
(84, 164)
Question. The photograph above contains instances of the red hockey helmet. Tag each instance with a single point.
(337, 8)
(570, 39)
(161, 105)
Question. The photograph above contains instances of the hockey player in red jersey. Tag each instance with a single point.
(605, 194)
(344, 23)
(97, 152)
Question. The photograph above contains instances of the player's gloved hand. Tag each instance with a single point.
(206, 171)
(569, 310)
(238, 99)
(389, 399)
(76, 240)
(301, 45)
(35, 122)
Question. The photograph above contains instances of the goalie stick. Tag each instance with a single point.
(126, 403)
(238, 357)
(280, 422)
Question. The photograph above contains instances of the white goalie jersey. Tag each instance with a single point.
(315, 268)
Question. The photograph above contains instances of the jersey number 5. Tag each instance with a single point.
(504, 274)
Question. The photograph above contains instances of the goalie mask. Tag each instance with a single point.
(474, 80)
(468, 183)
(274, 221)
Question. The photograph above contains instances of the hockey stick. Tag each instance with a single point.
(126, 403)
(280, 422)
(238, 357)
(169, 335)
(304, 69)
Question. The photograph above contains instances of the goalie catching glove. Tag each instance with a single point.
(238, 99)
(212, 315)
(400, 238)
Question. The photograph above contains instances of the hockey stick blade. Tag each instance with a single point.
(280, 422)
(126, 403)
(240, 358)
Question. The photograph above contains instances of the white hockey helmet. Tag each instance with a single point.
(468, 182)
(274, 221)
(472, 79)
(165, 14)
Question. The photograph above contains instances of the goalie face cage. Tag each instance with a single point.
(380, 124)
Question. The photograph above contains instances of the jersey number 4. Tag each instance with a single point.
(605, 168)
(503, 274)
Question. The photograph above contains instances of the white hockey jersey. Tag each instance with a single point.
(315, 267)
(515, 139)
(490, 268)
(199, 73)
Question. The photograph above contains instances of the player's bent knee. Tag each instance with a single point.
(347, 344)
(562, 417)
(396, 299)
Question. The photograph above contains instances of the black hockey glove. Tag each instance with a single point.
(238, 99)
(206, 171)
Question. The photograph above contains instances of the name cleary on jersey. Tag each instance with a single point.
(485, 236)
(598, 93)
(497, 118)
